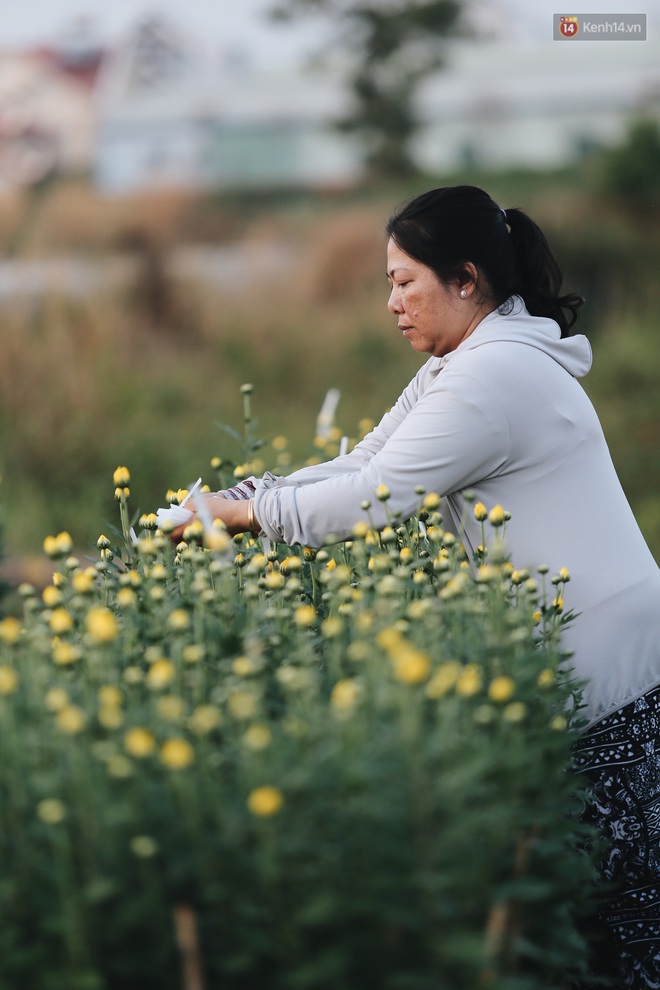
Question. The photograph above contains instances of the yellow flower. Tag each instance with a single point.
(455, 586)
(178, 620)
(242, 704)
(65, 653)
(360, 530)
(497, 516)
(501, 689)
(139, 743)
(469, 682)
(52, 596)
(8, 680)
(258, 737)
(71, 719)
(126, 598)
(515, 712)
(51, 811)
(60, 621)
(119, 766)
(143, 846)
(305, 616)
(558, 723)
(291, 564)
(56, 699)
(58, 546)
(102, 625)
(244, 666)
(411, 666)
(10, 630)
(480, 512)
(332, 626)
(177, 753)
(444, 679)
(431, 501)
(83, 581)
(204, 719)
(388, 638)
(160, 674)
(121, 477)
(171, 707)
(192, 653)
(110, 695)
(383, 493)
(265, 801)
(274, 580)
(564, 574)
(546, 678)
(558, 603)
(357, 650)
(345, 695)
(110, 716)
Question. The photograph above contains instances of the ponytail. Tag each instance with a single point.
(539, 274)
(446, 228)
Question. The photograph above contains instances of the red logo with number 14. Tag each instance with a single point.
(569, 26)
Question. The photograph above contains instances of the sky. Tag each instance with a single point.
(238, 25)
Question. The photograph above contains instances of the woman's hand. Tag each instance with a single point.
(235, 514)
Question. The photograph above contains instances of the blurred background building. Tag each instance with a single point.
(149, 110)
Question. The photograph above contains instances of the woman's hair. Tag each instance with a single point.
(446, 228)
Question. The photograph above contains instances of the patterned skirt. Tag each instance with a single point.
(620, 755)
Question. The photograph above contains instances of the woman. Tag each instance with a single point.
(497, 409)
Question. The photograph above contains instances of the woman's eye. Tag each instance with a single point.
(402, 285)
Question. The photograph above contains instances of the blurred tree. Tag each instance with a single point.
(632, 171)
(391, 47)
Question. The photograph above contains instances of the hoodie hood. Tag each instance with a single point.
(518, 326)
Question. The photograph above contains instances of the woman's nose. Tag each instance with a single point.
(394, 302)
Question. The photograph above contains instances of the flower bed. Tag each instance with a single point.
(240, 766)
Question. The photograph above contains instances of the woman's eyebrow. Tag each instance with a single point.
(393, 271)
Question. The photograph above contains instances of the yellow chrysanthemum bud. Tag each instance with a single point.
(177, 754)
(497, 516)
(204, 719)
(139, 743)
(10, 630)
(51, 596)
(110, 695)
(121, 477)
(178, 620)
(56, 699)
(501, 689)
(444, 679)
(305, 616)
(345, 695)
(160, 674)
(65, 653)
(480, 512)
(258, 737)
(51, 811)
(102, 626)
(60, 621)
(431, 501)
(469, 682)
(242, 704)
(265, 801)
(411, 666)
(8, 680)
(71, 719)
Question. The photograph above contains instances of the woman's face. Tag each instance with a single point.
(433, 317)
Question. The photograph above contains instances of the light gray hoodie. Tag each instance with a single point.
(503, 416)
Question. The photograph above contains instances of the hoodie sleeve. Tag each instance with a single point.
(372, 443)
(454, 435)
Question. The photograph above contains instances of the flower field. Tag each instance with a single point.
(234, 765)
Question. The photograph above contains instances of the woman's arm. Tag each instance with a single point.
(456, 435)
